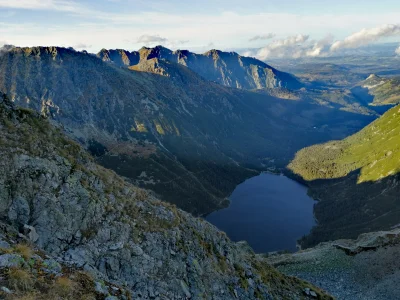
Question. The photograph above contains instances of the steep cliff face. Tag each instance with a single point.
(90, 218)
(190, 140)
(120, 57)
(226, 68)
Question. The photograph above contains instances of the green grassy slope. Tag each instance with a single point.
(375, 150)
(356, 181)
(387, 93)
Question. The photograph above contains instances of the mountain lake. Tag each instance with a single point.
(271, 212)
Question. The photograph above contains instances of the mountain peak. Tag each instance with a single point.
(220, 52)
(213, 51)
(373, 81)
(56, 53)
(120, 57)
(373, 76)
(226, 68)
(385, 91)
(155, 52)
(6, 47)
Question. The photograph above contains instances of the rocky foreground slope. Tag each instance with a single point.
(29, 273)
(367, 268)
(89, 218)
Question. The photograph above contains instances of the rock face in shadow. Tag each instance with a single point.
(91, 219)
(188, 139)
(366, 268)
(226, 68)
(347, 208)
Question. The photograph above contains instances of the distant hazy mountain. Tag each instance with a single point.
(384, 91)
(188, 139)
(318, 74)
(226, 68)
(355, 179)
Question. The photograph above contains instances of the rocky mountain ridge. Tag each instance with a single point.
(226, 68)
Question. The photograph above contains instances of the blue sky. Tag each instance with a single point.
(200, 25)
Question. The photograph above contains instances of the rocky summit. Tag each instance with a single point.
(122, 239)
(226, 68)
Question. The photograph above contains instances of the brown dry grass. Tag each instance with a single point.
(20, 280)
(24, 250)
(63, 287)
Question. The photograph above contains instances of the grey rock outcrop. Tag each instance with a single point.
(31, 233)
(366, 268)
(10, 260)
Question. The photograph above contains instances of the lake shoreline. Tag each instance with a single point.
(270, 211)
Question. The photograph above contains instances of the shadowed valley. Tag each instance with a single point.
(188, 139)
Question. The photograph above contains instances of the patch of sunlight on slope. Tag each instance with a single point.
(387, 93)
(375, 150)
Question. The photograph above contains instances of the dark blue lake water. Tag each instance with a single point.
(270, 212)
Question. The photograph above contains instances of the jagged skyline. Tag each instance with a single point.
(290, 29)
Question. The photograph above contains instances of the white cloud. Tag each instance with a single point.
(147, 39)
(154, 40)
(366, 36)
(289, 47)
(398, 51)
(82, 46)
(293, 47)
(105, 29)
(262, 37)
(60, 5)
(301, 46)
(320, 48)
